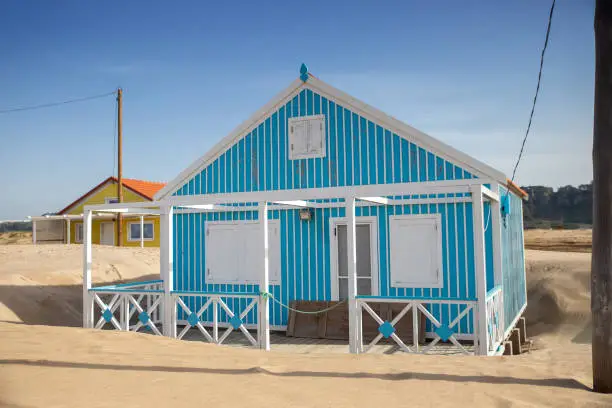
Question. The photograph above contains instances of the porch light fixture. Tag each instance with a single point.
(305, 214)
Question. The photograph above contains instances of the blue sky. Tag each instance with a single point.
(464, 72)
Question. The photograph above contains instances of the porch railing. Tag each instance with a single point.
(444, 331)
(216, 301)
(495, 320)
(138, 306)
(130, 306)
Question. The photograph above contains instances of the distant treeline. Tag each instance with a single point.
(568, 207)
(8, 226)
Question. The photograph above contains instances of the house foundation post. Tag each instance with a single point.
(495, 224)
(264, 284)
(68, 231)
(166, 269)
(141, 231)
(88, 302)
(351, 238)
(480, 268)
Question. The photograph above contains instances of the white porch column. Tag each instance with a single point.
(34, 232)
(68, 231)
(351, 250)
(88, 302)
(495, 224)
(141, 231)
(264, 284)
(480, 268)
(166, 266)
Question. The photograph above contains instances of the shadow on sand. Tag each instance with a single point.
(544, 382)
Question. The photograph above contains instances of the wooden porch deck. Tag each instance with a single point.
(280, 342)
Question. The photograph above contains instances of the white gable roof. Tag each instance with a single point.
(437, 147)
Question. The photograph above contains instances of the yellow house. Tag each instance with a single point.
(67, 225)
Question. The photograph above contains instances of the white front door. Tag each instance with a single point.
(107, 233)
(367, 257)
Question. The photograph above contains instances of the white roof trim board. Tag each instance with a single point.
(401, 129)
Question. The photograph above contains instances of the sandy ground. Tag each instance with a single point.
(44, 364)
(559, 240)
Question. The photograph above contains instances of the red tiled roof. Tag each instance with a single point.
(146, 189)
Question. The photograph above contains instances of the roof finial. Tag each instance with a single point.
(304, 72)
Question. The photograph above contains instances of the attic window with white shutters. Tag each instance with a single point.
(307, 137)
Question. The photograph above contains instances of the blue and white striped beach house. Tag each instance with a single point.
(320, 199)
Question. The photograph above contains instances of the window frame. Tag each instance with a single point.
(129, 237)
(372, 221)
(308, 121)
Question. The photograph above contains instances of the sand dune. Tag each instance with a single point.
(67, 366)
(559, 240)
(15, 237)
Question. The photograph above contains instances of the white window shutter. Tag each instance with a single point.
(221, 263)
(298, 139)
(274, 252)
(315, 136)
(416, 257)
(306, 137)
(224, 240)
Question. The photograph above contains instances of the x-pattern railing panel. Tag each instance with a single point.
(144, 316)
(129, 302)
(387, 329)
(107, 314)
(236, 322)
(495, 320)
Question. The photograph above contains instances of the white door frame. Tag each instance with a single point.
(102, 229)
(372, 221)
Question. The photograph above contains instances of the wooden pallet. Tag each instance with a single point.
(334, 324)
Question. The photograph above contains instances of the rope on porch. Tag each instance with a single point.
(269, 295)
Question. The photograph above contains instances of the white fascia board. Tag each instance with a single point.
(490, 194)
(135, 211)
(66, 217)
(294, 203)
(145, 205)
(200, 206)
(407, 132)
(375, 200)
(373, 190)
(227, 141)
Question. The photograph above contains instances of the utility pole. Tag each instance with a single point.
(601, 267)
(119, 163)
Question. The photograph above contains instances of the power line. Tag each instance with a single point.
(535, 98)
(49, 105)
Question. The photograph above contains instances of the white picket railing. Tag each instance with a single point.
(214, 301)
(119, 304)
(495, 320)
(442, 331)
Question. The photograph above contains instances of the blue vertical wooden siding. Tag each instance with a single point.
(358, 152)
(513, 259)
(306, 261)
